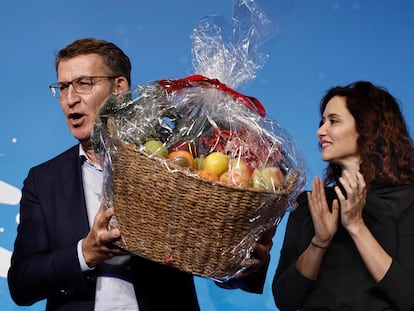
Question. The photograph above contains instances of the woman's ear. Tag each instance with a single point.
(121, 85)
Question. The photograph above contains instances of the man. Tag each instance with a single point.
(63, 250)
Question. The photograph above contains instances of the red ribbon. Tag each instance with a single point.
(195, 80)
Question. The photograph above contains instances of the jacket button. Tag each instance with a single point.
(64, 292)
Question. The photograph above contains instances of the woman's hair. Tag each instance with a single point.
(114, 58)
(384, 143)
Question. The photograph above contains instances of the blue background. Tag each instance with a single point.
(323, 43)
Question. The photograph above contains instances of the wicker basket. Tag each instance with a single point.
(191, 223)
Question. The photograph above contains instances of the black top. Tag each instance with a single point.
(344, 283)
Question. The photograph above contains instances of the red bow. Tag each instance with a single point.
(249, 101)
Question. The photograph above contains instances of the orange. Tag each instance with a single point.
(183, 154)
(208, 175)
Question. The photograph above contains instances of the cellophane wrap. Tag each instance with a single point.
(188, 211)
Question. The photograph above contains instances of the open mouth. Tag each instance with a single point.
(75, 119)
(75, 116)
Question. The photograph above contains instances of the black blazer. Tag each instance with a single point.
(45, 265)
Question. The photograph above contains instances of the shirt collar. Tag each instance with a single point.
(85, 159)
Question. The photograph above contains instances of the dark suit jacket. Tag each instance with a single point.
(45, 264)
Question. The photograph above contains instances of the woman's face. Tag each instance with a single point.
(337, 134)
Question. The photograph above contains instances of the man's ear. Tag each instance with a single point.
(120, 85)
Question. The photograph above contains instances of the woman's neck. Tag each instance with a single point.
(352, 166)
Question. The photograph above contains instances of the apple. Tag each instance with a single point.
(236, 177)
(240, 164)
(188, 146)
(216, 162)
(268, 178)
(156, 147)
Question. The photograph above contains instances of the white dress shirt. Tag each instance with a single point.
(112, 293)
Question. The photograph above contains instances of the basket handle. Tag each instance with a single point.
(174, 85)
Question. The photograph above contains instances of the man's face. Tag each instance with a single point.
(81, 110)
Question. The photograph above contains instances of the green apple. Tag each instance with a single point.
(156, 147)
(268, 178)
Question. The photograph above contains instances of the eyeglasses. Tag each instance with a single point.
(81, 85)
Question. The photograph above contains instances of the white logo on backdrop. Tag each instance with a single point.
(11, 196)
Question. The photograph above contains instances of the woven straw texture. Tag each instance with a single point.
(196, 225)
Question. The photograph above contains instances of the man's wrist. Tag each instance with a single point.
(84, 266)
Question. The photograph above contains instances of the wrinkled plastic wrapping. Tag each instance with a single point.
(201, 115)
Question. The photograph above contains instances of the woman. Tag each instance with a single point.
(351, 246)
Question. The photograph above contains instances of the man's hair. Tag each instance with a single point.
(114, 58)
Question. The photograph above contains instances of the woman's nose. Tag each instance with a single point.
(321, 131)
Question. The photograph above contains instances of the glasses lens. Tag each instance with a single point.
(83, 85)
(54, 89)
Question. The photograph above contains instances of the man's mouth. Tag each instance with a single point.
(75, 118)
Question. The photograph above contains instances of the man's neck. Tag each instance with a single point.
(90, 153)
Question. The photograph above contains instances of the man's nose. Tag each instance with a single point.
(72, 96)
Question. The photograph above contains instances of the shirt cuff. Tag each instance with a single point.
(82, 262)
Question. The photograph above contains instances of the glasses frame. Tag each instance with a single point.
(55, 88)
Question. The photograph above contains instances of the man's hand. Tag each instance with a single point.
(98, 244)
(259, 253)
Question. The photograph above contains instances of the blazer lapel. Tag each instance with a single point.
(74, 198)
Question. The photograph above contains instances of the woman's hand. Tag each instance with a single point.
(376, 259)
(353, 204)
(325, 221)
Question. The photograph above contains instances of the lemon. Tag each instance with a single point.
(216, 162)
